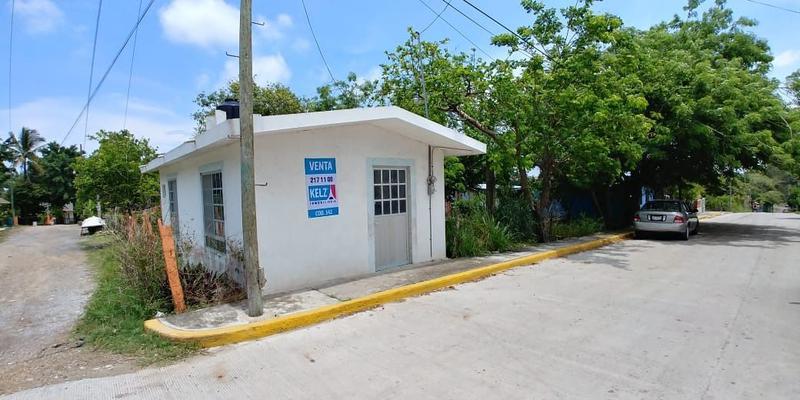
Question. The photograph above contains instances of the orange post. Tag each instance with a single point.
(171, 261)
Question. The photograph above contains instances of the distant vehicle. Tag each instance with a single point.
(91, 225)
(666, 216)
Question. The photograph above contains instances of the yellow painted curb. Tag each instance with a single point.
(239, 333)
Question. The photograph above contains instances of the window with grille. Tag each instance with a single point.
(214, 212)
(390, 191)
(172, 198)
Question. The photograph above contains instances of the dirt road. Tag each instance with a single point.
(44, 287)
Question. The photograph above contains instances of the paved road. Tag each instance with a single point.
(715, 318)
(44, 285)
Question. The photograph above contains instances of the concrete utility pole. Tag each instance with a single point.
(255, 304)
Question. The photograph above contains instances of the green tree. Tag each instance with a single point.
(58, 173)
(349, 93)
(568, 109)
(111, 173)
(23, 148)
(714, 108)
(272, 99)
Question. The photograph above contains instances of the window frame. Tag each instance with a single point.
(213, 210)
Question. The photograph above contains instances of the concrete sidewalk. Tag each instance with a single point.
(227, 315)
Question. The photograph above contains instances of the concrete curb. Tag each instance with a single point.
(239, 333)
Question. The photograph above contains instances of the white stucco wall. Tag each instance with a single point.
(294, 250)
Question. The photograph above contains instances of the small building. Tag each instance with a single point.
(338, 193)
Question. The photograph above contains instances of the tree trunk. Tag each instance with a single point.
(598, 207)
(523, 181)
(543, 205)
(491, 189)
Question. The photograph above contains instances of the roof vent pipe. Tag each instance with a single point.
(231, 108)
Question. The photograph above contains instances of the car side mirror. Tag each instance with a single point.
(694, 210)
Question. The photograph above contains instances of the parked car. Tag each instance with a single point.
(666, 216)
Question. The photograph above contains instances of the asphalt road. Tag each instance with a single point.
(717, 317)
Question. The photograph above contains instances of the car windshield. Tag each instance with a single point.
(672, 206)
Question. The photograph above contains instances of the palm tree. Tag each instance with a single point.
(23, 148)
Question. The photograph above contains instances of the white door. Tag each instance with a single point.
(391, 202)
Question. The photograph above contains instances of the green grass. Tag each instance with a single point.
(114, 317)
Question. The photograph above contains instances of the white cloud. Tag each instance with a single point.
(53, 116)
(272, 30)
(204, 23)
(786, 58)
(214, 23)
(373, 74)
(266, 69)
(39, 16)
(300, 45)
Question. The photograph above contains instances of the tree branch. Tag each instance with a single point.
(475, 123)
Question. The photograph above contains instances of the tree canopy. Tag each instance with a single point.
(111, 174)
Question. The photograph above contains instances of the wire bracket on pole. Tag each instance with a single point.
(231, 55)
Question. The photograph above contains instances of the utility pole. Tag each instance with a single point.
(255, 304)
(13, 211)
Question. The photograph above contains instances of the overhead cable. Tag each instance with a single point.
(108, 70)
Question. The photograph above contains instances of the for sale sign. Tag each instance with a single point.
(323, 200)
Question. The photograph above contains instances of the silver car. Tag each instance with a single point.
(666, 216)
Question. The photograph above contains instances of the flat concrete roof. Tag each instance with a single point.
(394, 119)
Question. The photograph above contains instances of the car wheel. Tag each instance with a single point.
(696, 229)
(685, 235)
(638, 235)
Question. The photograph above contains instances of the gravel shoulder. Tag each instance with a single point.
(46, 283)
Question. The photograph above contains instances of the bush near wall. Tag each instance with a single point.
(471, 231)
(577, 227)
(132, 287)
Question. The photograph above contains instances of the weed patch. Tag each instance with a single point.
(114, 317)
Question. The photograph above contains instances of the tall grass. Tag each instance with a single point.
(471, 231)
(132, 287)
(577, 227)
(114, 317)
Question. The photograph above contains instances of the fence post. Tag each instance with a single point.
(171, 263)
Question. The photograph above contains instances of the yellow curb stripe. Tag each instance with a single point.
(239, 333)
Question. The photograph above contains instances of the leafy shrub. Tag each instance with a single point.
(140, 255)
(472, 232)
(724, 202)
(513, 211)
(577, 227)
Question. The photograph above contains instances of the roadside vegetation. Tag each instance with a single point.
(132, 287)
(114, 317)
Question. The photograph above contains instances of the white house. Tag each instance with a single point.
(339, 193)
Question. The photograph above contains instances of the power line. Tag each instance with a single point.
(457, 31)
(314, 35)
(774, 6)
(130, 72)
(10, 53)
(517, 35)
(435, 19)
(469, 18)
(91, 71)
(105, 75)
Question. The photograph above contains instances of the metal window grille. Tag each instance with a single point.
(390, 191)
(214, 212)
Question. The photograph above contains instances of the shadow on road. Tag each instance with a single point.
(712, 233)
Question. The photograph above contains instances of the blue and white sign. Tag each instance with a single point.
(323, 201)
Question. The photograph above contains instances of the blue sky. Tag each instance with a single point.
(181, 51)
